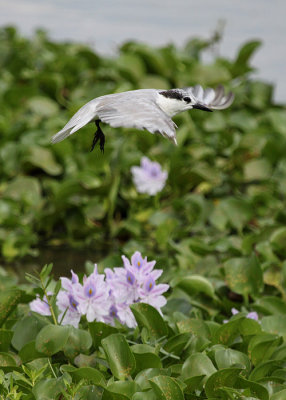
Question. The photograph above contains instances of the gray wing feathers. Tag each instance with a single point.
(82, 117)
(215, 99)
(133, 111)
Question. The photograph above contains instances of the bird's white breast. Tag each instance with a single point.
(170, 106)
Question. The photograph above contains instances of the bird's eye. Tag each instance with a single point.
(187, 99)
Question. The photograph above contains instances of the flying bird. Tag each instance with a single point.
(149, 109)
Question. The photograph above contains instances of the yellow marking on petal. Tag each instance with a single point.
(138, 263)
(90, 291)
(150, 285)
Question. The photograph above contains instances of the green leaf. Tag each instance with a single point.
(131, 67)
(261, 347)
(176, 344)
(127, 389)
(44, 159)
(42, 106)
(212, 74)
(25, 189)
(99, 331)
(249, 327)
(52, 339)
(119, 356)
(148, 317)
(278, 120)
(7, 360)
(244, 275)
(228, 331)
(108, 395)
(193, 284)
(92, 375)
(256, 389)
(48, 389)
(145, 357)
(166, 388)
(150, 395)
(237, 211)
(28, 352)
(270, 305)
(265, 369)
(260, 94)
(204, 172)
(26, 330)
(9, 299)
(5, 339)
(277, 240)
(275, 324)
(241, 65)
(197, 327)
(89, 392)
(224, 377)
(46, 272)
(143, 377)
(243, 120)
(257, 170)
(281, 395)
(226, 358)
(215, 122)
(79, 341)
(197, 364)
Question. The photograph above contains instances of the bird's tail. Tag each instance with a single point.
(84, 115)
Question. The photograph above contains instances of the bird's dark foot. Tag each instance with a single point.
(98, 136)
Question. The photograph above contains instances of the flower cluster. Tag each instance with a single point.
(106, 297)
(149, 177)
(250, 315)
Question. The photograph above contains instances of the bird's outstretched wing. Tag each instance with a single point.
(135, 110)
(215, 99)
(81, 118)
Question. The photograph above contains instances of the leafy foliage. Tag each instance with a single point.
(219, 194)
(217, 229)
(189, 353)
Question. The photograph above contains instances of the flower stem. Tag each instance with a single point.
(157, 201)
(52, 369)
(49, 302)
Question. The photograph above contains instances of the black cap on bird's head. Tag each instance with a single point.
(185, 97)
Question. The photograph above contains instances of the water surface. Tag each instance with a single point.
(106, 24)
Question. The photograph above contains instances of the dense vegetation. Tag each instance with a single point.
(217, 229)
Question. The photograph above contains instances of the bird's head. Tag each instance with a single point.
(174, 101)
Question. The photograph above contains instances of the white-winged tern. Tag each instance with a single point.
(150, 109)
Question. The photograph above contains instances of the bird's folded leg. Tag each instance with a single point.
(98, 136)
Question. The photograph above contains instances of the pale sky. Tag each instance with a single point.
(106, 24)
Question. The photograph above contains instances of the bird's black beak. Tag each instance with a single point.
(199, 106)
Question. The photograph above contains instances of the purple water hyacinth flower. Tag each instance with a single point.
(134, 283)
(93, 295)
(123, 285)
(250, 315)
(253, 315)
(107, 297)
(41, 306)
(149, 177)
(126, 316)
(68, 307)
(151, 293)
(140, 267)
(67, 301)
